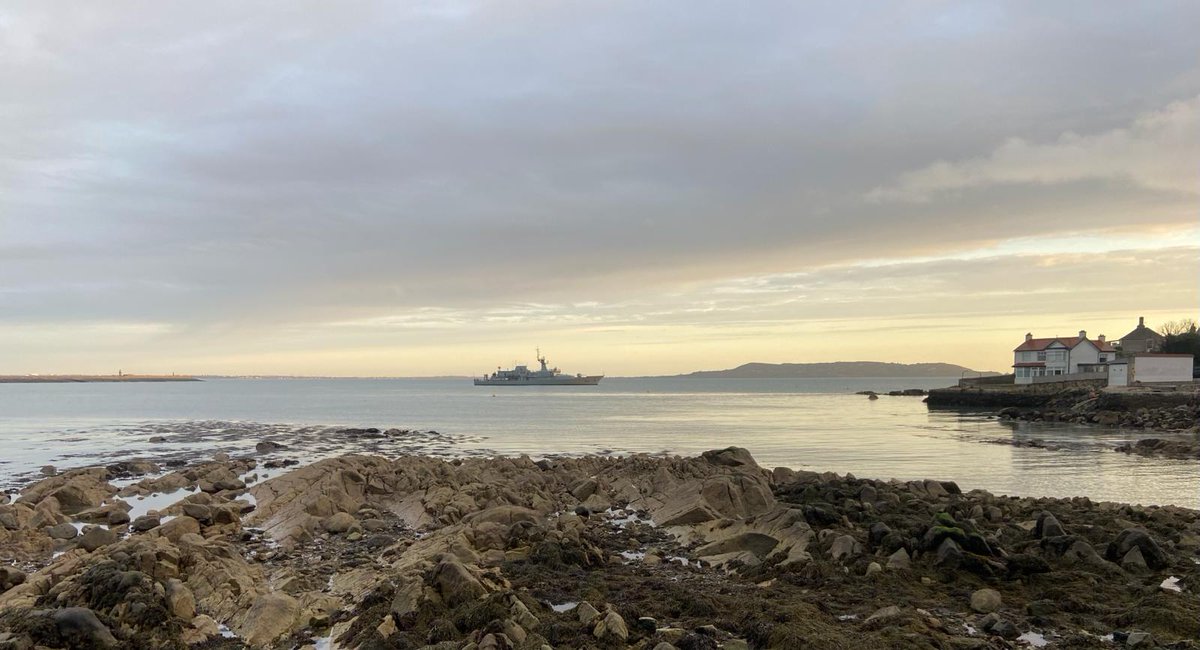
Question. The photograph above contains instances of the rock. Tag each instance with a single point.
(948, 555)
(455, 583)
(1020, 564)
(117, 517)
(985, 601)
(583, 488)
(899, 560)
(1048, 526)
(49, 470)
(884, 614)
(611, 627)
(494, 641)
(845, 548)
(177, 528)
(197, 511)
(270, 617)
(1129, 538)
(647, 624)
(339, 522)
(156, 439)
(1139, 640)
(180, 600)
(935, 489)
(1134, 562)
(62, 531)
(82, 629)
(950, 487)
(11, 641)
(873, 568)
(730, 457)
(144, 523)
(586, 613)
(877, 532)
(386, 628)
(206, 625)
(267, 446)
(1005, 630)
(228, 484)
(95, 537)
(523, 616)
(10, 577)
(1041, 608)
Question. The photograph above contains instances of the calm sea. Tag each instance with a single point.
(814, 424)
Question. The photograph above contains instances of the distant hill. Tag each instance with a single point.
(836, 369)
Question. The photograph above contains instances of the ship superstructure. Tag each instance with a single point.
(544, 376)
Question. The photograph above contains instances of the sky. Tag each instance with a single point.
(437, 188)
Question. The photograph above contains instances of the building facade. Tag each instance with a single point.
(1150, 368)
(1141, 339)
(1061, 356)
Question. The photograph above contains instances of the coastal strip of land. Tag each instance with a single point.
(711, 551)
(83, 379)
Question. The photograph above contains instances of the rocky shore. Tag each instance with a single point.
(646, 552)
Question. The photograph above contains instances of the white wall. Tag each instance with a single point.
(1084, 353)
(1150, 369)
(1118, 374)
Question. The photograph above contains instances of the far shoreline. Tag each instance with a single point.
(83, 379)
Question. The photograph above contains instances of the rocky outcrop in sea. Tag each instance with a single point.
(711, 551)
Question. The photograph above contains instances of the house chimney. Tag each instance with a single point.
(1100, 339)
(1082, 334)
(1028, 336)
(1141, 321)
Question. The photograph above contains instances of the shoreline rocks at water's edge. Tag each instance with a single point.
(1176, 413)
(704, 552)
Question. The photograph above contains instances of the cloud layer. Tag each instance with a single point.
(183, 182)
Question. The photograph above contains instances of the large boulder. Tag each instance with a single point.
(730, 457)
(1130, 538)
(74, 491)
(271, 616)
(80, 627)
(611, 628)
(456, 584)
(95, 537)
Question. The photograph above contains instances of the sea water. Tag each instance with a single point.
(810, 424)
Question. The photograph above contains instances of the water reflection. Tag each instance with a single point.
(805, 424)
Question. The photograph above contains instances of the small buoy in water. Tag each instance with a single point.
(872, 397)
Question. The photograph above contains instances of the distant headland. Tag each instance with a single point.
(836, 369)
(83, 379)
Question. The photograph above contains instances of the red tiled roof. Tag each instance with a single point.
(1037, 345)
(1030, 364)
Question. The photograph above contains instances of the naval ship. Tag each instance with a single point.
(523, 376)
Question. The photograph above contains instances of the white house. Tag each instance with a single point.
(1150, 368)
(1061, 356)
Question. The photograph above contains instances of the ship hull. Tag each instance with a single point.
(542, 381)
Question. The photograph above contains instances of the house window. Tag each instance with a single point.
(1041, 356)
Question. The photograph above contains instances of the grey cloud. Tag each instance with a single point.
(218, 163)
